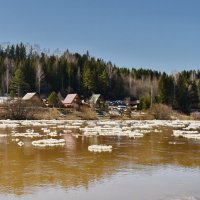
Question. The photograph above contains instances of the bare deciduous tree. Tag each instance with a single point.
(39, 76)
(7, 74)
(110, 71)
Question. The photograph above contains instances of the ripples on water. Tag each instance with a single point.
(157, 166)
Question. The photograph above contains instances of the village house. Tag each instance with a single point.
(3, 100)
(132, 102)
(60, 97)
(96, 101)
(72, 101)
(33, 98)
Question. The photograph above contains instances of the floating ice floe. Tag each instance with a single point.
(157, 131)
(100, 148)
(3, 135)
(186, 134)
(67, 131)
(77, 123)
(135, 135)
(48, 142)
(53, 134)
(61, 126)
(71, 127)
(20, 143)
(28, 133)
(114, 131)
(108, 122)
(8, 125)
(193, 126)
(46, 130)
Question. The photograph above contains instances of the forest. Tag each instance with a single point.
(25, 69)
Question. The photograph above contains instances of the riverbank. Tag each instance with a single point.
(89, 114)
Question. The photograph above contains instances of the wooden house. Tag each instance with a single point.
(33, 98)
(60, 97)
(96, 101)
(132, 102)
(72, 101)
(3, 100)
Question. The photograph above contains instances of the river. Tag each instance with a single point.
(157, 166)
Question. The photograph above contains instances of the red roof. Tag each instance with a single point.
(69, 98)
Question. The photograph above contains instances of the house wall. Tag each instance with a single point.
(35, 101)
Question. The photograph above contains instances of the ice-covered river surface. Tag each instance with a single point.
(101, 160)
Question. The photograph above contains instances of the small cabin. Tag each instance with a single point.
(3, 100)
(33, 98)
(72, 101)
(132, 102)
(60, 97)
(96, 101)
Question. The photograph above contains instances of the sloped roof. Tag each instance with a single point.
(69, 98)
(94, 98)
(28, 96)
(60, 97)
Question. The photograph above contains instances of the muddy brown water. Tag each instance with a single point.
(157, 167)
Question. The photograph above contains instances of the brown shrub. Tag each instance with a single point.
(195, 116)
(161, 111)
(87, 113)
(47, 113)
(18, 109)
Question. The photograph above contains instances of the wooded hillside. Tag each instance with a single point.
(24, 69)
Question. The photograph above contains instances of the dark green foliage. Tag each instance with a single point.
(53, 99)
(193, 95)
(145, 103)
(12, 94)
(18, 84)
(182, 95)
(166, 89)
(89, 82)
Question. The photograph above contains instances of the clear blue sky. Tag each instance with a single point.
(157, 34)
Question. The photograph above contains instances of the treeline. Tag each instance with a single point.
(25, 69)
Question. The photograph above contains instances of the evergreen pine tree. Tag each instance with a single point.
(53, 99)
(18, 85)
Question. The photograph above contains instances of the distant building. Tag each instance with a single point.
(132, 102)
(60, 97)
(72, 101)
(96, 101)
(3, 100)
(33, 98)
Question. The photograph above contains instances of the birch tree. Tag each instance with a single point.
(7, 75)
(39, 76)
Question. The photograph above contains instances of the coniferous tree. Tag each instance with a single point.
(182, 95)
(18, 84)
(88, 80)
(165, 89)
(193, 95)
(53, 99)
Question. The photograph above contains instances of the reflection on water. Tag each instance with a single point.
(157, 166)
